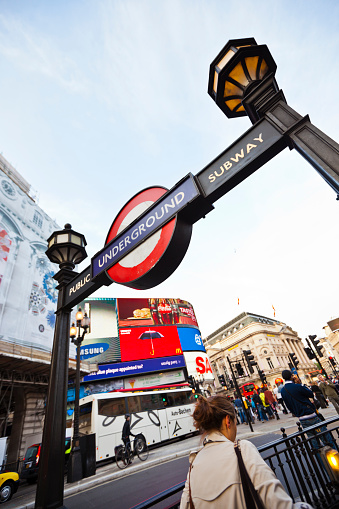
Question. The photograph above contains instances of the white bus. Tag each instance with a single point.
(159, 415)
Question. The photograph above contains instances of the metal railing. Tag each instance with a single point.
(297, 462)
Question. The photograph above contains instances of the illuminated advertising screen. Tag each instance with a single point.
(157, 311)
(101, 343)
(198, 363)
(149, 342)
(190, 339)
(120, 369)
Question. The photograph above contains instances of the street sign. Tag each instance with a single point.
(248, 153)
(148, 238)
(81, 287)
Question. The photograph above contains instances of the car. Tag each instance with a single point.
(30, 465)
(9, 483)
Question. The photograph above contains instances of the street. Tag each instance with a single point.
(166, 465)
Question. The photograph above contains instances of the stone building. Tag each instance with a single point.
(270, 342)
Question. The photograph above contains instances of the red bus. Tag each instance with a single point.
(248, 389)
(314, 374)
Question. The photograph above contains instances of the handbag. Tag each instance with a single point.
(252, 497)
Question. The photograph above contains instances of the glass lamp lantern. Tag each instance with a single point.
(66, 247)
(238, 69)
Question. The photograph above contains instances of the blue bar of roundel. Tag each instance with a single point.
(113, 253)
(120, 369)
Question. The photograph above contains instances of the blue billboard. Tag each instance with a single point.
(190, 339)
(120, 369)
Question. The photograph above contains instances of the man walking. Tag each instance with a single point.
(280, 400)
(329, 391)
(297, 398)
(239, 407)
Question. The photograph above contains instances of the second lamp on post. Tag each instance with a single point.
(75, 471)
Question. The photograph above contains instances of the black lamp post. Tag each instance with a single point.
(66, 248)
(75, 472)
(242, 82)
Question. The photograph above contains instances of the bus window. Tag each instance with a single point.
(151, 402)
(178, 398)
(134, 404)
(111, 407)
(85, 415)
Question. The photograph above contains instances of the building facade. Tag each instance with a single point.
(270, 342)
(28, 298)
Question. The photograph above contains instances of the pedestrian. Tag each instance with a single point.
(260, 407)
(280, 398)
(269, 398)
(266, 405)
(318, 396)
(241, 412)
(329, 391)
(214, 480)
(297, 398)
(126, 432)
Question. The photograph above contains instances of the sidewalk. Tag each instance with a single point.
(168, 452)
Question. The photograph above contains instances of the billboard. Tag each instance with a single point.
(190, 339)
(198, 363)
(149, 342)
(155, 311)
(120, 369)
(101, 343)
(156, 379)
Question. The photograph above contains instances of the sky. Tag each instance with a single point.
(101, 99)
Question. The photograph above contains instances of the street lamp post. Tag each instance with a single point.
(75, 472)
(242, 82)
(67, 249)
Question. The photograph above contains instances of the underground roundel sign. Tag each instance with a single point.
(160, 253)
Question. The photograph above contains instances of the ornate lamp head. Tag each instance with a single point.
(235, 73)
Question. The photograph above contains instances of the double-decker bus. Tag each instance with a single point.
(314, 375)
(159, 415)
(248, 389)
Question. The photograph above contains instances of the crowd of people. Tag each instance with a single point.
(266, 403)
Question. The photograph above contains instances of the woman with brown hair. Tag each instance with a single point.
(214, 479)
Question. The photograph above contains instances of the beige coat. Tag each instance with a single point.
(215, 477)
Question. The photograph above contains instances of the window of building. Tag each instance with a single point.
(37, 219)
(269, 362)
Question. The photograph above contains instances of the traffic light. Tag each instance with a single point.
(230, 384)
(240, 369)
(262, 377)
(293, 359)
(222, 380)
(190, 381)
(332, 361)
(315, 343)
(249, 359)
(309, 352)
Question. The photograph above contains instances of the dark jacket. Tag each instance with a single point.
(126, 431)
(297, 399)
(257, 400)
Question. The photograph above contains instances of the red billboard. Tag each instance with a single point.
(148, 342)
(155, 311)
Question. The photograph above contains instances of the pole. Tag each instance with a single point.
(75, 472)
(50, 488)
(248, 417)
